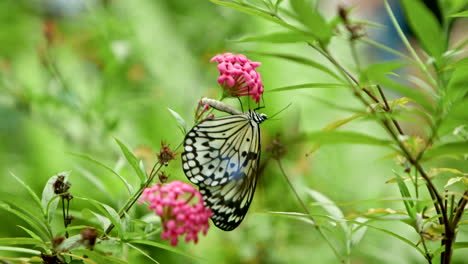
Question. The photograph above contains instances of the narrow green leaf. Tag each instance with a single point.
(142, 252)
(122, 179)
(133, 161)
(162, 246)
(385, 48)
(334, 105)
(21, 250)
(308, 85)
(425, 26)
(452, 181)
(30, 233)
(180, 121)
(461, 14)
(409, 205)
(300, 60)
(309, 16)
(48, 202)
(358, 231)
(326, 203)
(31, 192)
(340, 122)
(104, 221)
(380, 69)
(459, 245)
(278, 37)
(99, 257)
(448, 149)
(71, 243)
(403, 239)
(108, 211)
(344, 137)
(34, 222)
(377, 73)
(457, 86)
(255, 12)
(19, 241)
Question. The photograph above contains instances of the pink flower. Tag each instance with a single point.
(238, 76)
(181, 209)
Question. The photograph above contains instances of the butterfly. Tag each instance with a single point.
(221, 156)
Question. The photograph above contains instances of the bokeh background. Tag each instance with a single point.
(75, 74)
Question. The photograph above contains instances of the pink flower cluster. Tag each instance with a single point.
(238, 75)
(181, 209)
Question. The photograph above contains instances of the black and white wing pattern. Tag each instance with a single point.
(221, 156)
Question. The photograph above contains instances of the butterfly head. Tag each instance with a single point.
(258, 118)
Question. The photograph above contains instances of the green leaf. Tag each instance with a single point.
(378, 72)
(409, 205)
(340, 122)
(20, 241)
(459, 245)
(301, 60)
(255, 12)
(358, 231)
(31, 192)
(162, 246)
(180, 121)
(108, 211)
(326, 203)
(30, 233)
(133, 161)
(34, 222)
(71, 243)
(385, 48)
(380, 69)
(279, 37)
(308, 85)
(461, 14)
(425, 26)
(21, 250)
(457, 86)
(99, 257)
(452, 181)
(142, 252)
(448, 149)
(104, 221)
(122, 179)
(344, 137)
(309, 16)
(48, 194)
(403, 239)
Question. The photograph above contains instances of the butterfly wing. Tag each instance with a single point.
(217, 151)
(221, 156)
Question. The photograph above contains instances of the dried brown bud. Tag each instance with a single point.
(165, 154)
(163, 177)
(276, 148)
(60, 186)
(88, 237)
(343, 14)
(56, 241)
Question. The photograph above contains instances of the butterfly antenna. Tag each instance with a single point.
(279, 112)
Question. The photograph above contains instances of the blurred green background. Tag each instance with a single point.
(74, 75)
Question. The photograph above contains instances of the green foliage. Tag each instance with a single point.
(72, 80)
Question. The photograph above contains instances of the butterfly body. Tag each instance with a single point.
(221, 156)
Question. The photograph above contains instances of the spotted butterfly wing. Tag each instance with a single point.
(221, 156)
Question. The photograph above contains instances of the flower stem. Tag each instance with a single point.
(133, 199)
(306, 210)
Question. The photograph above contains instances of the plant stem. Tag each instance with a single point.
(130, 202)
(437, 199)
(306, 210)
